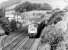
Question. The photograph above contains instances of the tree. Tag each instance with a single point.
(2, 13)
(13, 25)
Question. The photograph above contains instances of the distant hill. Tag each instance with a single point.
(28, 6)
(9, 3)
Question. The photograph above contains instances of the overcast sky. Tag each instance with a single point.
(3, 1)
(54, 3)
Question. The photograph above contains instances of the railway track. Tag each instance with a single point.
(17, 42)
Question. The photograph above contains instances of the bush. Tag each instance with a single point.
(50, 33)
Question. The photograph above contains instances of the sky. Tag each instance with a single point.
(2, 1)
(54, 3)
